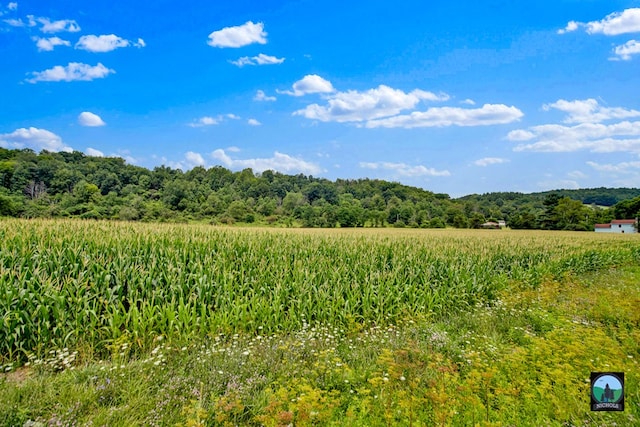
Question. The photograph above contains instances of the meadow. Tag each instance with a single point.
(114, 323)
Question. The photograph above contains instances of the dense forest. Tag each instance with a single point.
(76, 185)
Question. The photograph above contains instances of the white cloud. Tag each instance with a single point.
(622, 168)
(93, 152)
(595, 137)
(239, 36)
(253, 122)
(12, 6)
(194, 159)
(403, 169)
(468, 102)
(589, 111)
(261, 96)
(311, 83)
(104, 43)
(140, 43)
(625, 51)
(14, 22)
(571, 26)
(211, 121)
(74, 71)
(87, 118)
(488, 114)
(48, 26)
(50, 43)
(490, 161)
(261, 59)
(587, 133)
(279, 162)
(558, 183)
(204, 121)
(627, 21)
(354, 106)
(577, 175)
(520, 135)
(33, 138)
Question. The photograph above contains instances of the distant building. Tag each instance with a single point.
(617, 226)
(494, 225)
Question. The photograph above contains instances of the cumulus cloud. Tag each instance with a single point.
(627, 21)
(261, 96)
(33, 138)
(279, 162)
(211, 121)
(105, 43)
(93, 152)
(74, 71)
(12, 6)
(261, 59)
(490, 161)
(311, 83)
(48, 44)
(404, 169)
(239, 36)
(589, 111)
(354, 106)
(87, 118)
(488, 114)
(253, 122)
(620, 168)
(596, 137)
(626, 51)
(14, 22)
(48, 26)
(204, 121)
(587, 133)
(194, 159)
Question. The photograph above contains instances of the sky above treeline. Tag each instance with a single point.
(453, 97)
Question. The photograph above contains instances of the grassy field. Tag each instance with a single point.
(146, 324)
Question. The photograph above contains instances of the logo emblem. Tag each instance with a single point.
(607, 391)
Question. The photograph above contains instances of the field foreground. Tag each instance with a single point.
(129, 324)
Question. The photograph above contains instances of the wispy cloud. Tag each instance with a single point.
(48, 44)
(403, 169)
(74, 71)
(238, 36)
(48, 26)
(589, 111)
(253, 122)
(105, 43)
(490, 161)
(212, 121)
(621, 168)
(309, 84)
(261, 59)
(33, 138)
(588, 134)
(488, 114)
(627, 21)
(89, 119)
(279, 162)
(261, 96)
(12, 6)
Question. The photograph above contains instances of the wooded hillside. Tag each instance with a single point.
(76, 185)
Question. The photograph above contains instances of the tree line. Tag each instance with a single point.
(62, 184)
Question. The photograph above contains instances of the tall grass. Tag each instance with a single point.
(86, 284)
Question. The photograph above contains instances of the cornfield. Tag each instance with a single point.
(86, 284)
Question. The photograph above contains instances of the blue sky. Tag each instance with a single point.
(454, 97)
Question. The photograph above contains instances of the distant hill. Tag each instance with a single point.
(79, 186)
(600, 196)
